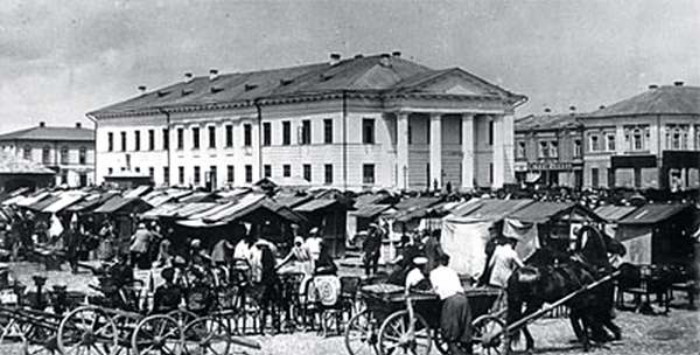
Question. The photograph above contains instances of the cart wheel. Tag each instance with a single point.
(440, 344)
(395, 336)
(206, 336)
(87, 330)
(157, 334)
(361, 334)
(488, 334)
(182, 317)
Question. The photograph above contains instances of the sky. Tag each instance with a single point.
(61, 59)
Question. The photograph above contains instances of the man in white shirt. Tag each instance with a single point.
(456, 318)
(313, 244)
(417, 274)
(503, 262)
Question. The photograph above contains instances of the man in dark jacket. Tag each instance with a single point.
(71, 242)
(371, 248)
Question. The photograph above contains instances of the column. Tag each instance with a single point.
(402, 150)
(691, 145)
(619, 140)
(498, 152)
(509, 148)
(435, 150)
(468, 140)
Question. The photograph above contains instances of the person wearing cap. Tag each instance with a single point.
(503, 262)
(198, 256)
(139, 247)
(372, 249)
(417, 277)
(455, 316)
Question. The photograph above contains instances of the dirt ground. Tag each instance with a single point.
(675, 333)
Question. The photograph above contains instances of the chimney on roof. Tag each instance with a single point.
(396, 54)
(677, 83)
(142, 89)
(213, 74)
(572, 108)
(78, 125)
(188, 77)
(358, 56)
(335, 58)
(601, 107)
(42, 124)
(547, 110)
(653, 87)
(384, 60)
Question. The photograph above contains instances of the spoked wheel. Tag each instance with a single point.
(396, 337)
(41, 340)
(156, 334)
(488, 334)
(361, 334)
(440, 343)
(182, 317)
(206, 336)
(87, 330)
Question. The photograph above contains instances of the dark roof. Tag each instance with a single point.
(117, 203)
(669, 100)
(369, 211)
(369, 75)
(491, 209)
(546, 122)
(653, 213)
(315, 205)
(39, 133)
(292, 200)
(540, 211)
(10, 164)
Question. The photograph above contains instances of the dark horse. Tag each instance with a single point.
(550, 275)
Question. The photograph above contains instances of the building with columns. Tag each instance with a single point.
(651, 140)
(361, 122)
(68, 151)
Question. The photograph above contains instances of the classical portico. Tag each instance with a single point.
(465, 149)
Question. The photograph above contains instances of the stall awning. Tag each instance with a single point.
(369, 211)
(164, 210)
(654, 213)
(117, 203)
(65, 200)
(92, 201)
(490, 209)
(538, 212)
(43, 203)
(614, 213)
(315, 205)
(190, 209)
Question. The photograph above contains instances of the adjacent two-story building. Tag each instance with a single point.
(549, 150)
(68, 151)
(651, 140)
(362, 122)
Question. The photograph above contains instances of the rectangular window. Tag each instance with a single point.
(595, 179)
(328, 131)
(305, 132)
(594, 144)
(197, 177)
(490, 173)
(151, 139)
(166, 139)
(46, 155)
(410, 134)
(123, 134)
(520, 150)
(611, 142)
(180, 138)
(181, 175)
(267, 170)
(307, 172)
(166, 175)
(286, 133)
(577, 148)
(152, 172)
(491, 132)
(553, 149)
(212, 176)
(542, 152)
(64, 155)
(249, 174)
(110, 171)
(286, 170)
(137, 140)
(229, 136)
(110, 142)
(229, 174)
(212, 137)
(195, 137)
(247, 134)
(27, 153)
(137, 169)
(368, 131)
(82, 156)
(267, 134)
(328, 174)
(368, 174)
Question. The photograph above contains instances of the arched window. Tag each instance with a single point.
(637, 139)
(46, 155)
(64, 155)
(27, 152)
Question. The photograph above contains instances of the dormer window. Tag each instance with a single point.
(286, 81)
(186, 92)
(215, 89)
(163, 93)
(326, 77)
(249, 87)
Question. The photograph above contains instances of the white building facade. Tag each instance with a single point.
(366, 122)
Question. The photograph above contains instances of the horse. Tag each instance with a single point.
(550, 275)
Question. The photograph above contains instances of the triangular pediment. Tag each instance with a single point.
(454, 82)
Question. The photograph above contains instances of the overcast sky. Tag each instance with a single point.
(61, 59)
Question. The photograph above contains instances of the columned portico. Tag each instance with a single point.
(402, 150)
(435, 150)
(468, 151)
